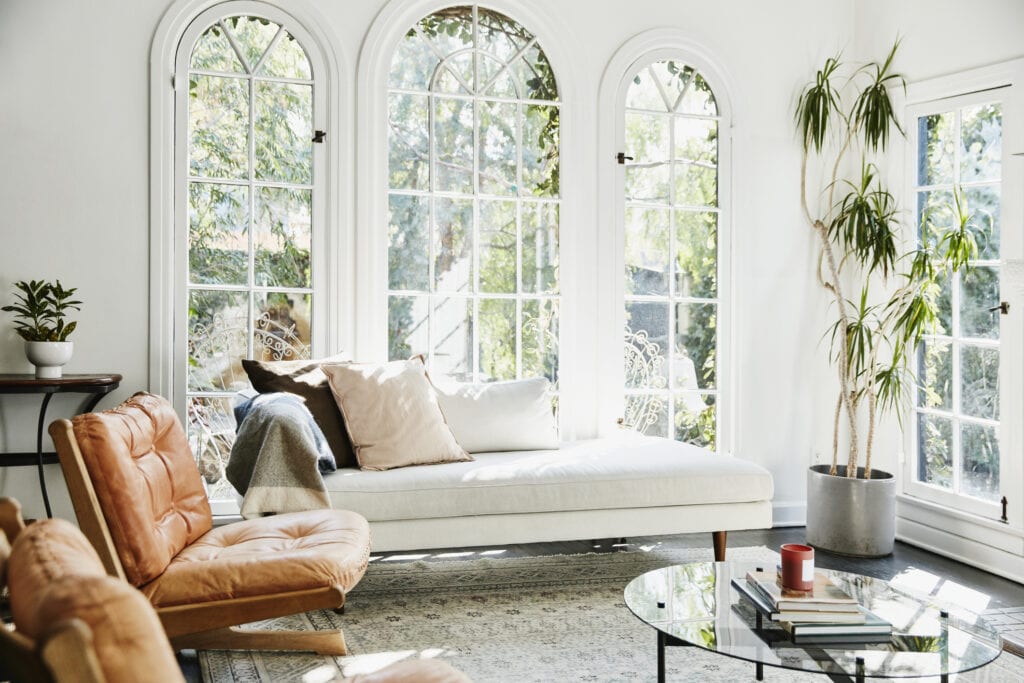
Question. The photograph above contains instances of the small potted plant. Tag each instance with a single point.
(40, 314)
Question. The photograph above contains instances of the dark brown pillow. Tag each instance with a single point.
(305, 378)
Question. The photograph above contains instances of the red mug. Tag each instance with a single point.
(797, 566)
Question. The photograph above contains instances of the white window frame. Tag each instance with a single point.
(332, 241)
(640, 51)
(576, 389)
(912, 485)
(475, 295)
(952, 524)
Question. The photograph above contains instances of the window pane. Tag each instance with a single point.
(935, 157)
(283, 237)
(287, 60)
(453, 145)
(540, 339)
(284, 132)
(494, 80)
(935, 437)
(408, 252)
(540, 247)
(644, 93)
(218, 328)
(453, 244)
(252, 35)
(218, 240)
(696, 185)
(981, 142)
(647, 414)
(540, 151)
(647, 136)
(979, 292)
(647, 251)
(935, 214)
(983, 203)
(498, 35)
(648, 183)
(693, 359)
(695, 419)
(211, 431)
(454, 75)
(281, 327)
(497, 339)
(413, 64)
(646, 345)
(535, 76)
(408, 142)
(980, 474)
(497, 246)
(452, 333)
(497, 148)
(407, 326)
(213, 52)
(935, 358)
(218, 122)
(696, 261)
(979, 392)
(449, 30)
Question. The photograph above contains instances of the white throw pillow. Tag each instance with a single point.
(500, 416)
(392, 415)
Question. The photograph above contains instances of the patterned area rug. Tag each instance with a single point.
(555, 618)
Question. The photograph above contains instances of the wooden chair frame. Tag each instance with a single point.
(206, 625)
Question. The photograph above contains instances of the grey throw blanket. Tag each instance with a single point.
(278, 456)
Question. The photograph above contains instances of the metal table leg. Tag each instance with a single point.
(661, 657)
(39, 452)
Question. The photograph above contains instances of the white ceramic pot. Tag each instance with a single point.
(48, 357)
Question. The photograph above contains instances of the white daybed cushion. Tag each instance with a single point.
(500, 416)
(584, 475)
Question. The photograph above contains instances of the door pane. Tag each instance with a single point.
(980, 474)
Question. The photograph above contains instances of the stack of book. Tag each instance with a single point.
(824, 614)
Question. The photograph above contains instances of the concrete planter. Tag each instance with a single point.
(851, 516)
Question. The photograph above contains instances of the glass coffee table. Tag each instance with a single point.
(696, 605)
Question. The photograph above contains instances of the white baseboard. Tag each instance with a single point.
(789, 513)
(966, 550)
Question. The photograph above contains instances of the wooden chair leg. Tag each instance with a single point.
(235, 638)
(718, 538)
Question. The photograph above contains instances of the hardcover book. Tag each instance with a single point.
(824, 597)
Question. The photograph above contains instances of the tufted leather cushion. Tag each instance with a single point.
(146, 481)
(55, 575)
(42, 553)
(413, 671)
(283, 553)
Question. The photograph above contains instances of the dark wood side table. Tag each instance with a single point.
(96, 385)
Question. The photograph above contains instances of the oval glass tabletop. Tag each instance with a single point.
(702, 608)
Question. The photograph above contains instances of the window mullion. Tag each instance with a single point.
(251, 326)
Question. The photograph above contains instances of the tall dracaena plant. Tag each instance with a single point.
(845, 119)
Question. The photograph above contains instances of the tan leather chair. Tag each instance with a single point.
(73, 622)
(139, 499)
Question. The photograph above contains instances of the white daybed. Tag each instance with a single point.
(601, 488)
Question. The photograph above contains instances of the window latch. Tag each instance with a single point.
(1003, 308)
(1004, 519)
(319, 135)
(622, 158)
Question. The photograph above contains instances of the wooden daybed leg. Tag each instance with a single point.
(718, 538)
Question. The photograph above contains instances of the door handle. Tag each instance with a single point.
(1003, 308)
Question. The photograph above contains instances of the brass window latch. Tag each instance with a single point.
(1003, 308)
(1004, 519)
(319, 135)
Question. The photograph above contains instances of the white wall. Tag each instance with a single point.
(73, 185)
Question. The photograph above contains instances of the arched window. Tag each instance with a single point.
(672, 263)
(248, 210)
(473, 145)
